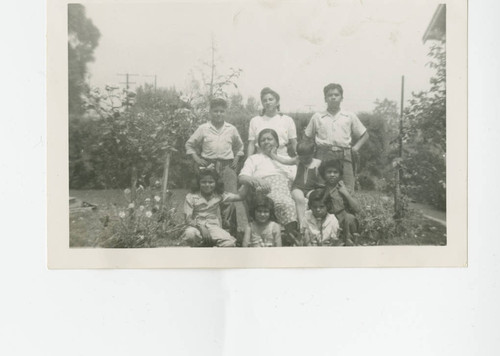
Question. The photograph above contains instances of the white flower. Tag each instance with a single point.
(141, 237)
(121, 214)
(127, 191)
(141, 187)
(147, 200)
(149, 214)
(157, 198)
(131, 205)
(141, 208)
(157, 182)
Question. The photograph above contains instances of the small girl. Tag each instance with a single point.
(343, 204)
(263, 231)
(320, 227)
(307, 176)
(202, 209)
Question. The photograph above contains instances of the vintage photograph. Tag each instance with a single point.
(257, 124)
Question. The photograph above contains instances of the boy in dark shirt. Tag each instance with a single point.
(343, 205)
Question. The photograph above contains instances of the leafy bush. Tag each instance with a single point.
(425, 163)
(145, 222)
(424, 177)
(378, 225)
(125, 148)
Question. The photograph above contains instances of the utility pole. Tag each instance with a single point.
(398, 209)
(154, 75)
(127, 83)
(133, 178)
(212, 67)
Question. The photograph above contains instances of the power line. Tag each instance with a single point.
(127, 83)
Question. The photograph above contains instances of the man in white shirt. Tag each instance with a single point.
(338, 134)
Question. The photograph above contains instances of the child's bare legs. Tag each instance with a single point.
(300, 204)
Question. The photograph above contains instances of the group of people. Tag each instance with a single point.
(298, 199)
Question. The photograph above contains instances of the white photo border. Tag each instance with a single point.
(61, 256)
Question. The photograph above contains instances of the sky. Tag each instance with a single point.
(296, 48)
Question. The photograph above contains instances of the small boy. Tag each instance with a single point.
(343, 205)
(320, 227)
(307, 176)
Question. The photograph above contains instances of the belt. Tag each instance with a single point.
(219, 163)
(334, 148)
(218, 160)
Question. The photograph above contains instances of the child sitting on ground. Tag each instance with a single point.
(202, 211)
(307, 176)
(343, 205)
(263, 231)
(320, 227)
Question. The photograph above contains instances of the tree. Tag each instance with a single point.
(425, 136)
(374, 156)
(83, 38)
(426, 114)
(207, 83)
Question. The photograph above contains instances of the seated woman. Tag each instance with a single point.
(261, 174)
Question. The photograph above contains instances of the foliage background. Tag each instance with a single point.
(120, 139)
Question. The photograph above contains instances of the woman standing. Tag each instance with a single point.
(271, 118)
(262, 174)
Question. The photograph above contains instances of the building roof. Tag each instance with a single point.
(437, 27)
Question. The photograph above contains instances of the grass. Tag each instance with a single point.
(93, 228)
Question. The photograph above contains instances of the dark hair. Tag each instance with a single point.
(203, 172)
(332, 86)
(272, 132)
(320, 195)
(306, 148)
(218, 102)
(334, 163)
(262, 202)
(266, 91)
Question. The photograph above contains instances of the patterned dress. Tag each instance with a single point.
(279, 178)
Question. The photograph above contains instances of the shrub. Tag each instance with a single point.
(127, 145)
(144, 223)
(424, 177)
(378, 225)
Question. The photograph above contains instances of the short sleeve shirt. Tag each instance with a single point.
(335, 130)
(224, 143)
(321, 232)
(203, 211)
(282, 124)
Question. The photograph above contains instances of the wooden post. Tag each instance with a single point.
(398, 211)
(164, 188)
(133, 183)
(165, 179)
